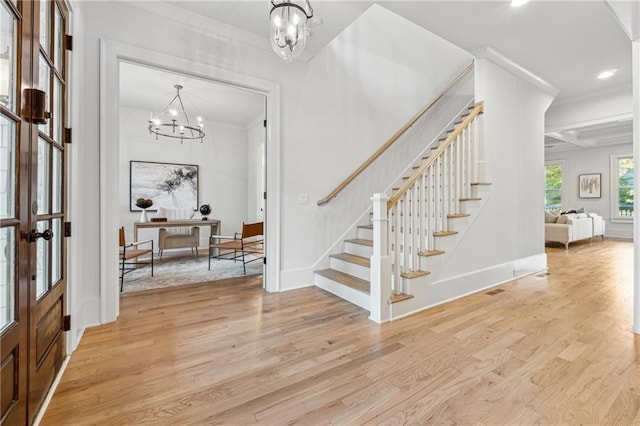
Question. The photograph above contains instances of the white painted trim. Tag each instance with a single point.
(502, 61)
(111, 54)
(485, 278)
(627, 14)
(635, 47)
(52, 391)
(602, 120)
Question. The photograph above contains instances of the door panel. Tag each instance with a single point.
(14, 143)
(48, 301)
(32, 212)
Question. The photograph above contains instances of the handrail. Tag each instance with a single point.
(479, 109)
(393, 139)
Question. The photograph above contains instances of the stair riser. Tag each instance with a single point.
(358, 249)
(432, 263)
(365, 233)
(354, 296)
(447, 243)
(359, 271)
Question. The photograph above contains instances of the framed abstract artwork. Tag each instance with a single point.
(166, 184)
(589, 185)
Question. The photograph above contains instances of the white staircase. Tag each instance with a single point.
(387, 267)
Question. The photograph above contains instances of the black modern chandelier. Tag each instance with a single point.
(174, 122)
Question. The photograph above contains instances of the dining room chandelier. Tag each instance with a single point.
(288, 28)
(174, 122)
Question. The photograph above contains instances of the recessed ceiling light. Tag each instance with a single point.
(518, 3)
(606, 74)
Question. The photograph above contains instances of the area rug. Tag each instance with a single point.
(185, 269)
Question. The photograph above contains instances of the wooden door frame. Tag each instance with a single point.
(111, 54)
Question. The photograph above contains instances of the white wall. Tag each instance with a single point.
(221, 161)
(587, 161)
(358, 91)
(511, 225)
(335, 111)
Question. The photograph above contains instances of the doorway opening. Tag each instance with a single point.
(226, 171)
(112, 55)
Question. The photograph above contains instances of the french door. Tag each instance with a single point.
(33, 157)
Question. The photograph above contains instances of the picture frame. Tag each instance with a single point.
(169, 185)
(590, 185)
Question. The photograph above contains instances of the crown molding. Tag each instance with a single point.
(499, 59)
(594, 94)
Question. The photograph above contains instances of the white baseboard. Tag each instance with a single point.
(453, 288)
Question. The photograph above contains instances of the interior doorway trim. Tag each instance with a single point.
(111, 54)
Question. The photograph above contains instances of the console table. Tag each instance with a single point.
(214, 224)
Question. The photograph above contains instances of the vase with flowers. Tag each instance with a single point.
(144, 204)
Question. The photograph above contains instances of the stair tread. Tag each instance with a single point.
(400, 297)
(427, 253)
(365, 226)
(444, 233)
(457, 215)
(352, 258)
(480, 183)
(345, 279)
(360, 241)
(470, 199)
(414, 274)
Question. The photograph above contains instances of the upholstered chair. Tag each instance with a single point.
(177, 237)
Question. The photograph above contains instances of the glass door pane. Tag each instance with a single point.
(8, 37)
(7, 275)
(56, 252)
(7, 167)
(43, 176)
(43, 84)
(45, 26)
(42, 264)
(56, 176)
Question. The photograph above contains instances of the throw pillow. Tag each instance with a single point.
(550, 217)
(562, 219)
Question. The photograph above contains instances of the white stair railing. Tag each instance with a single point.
(420, 210)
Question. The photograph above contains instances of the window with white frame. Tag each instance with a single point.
(622, 178)
(553, 186)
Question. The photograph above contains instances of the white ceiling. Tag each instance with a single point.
(151, 89)
(566, 43)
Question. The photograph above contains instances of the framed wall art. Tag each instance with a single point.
(166, 184)
(589, 185)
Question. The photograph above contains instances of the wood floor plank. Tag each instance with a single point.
(550, 349)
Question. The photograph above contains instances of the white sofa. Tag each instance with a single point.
(571, 227)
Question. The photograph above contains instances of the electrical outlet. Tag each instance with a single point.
(303, 198)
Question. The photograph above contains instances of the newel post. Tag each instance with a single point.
(380, 261)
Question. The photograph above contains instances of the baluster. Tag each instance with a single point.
(459, 178)
(451, 186)
(397, 243)
(415, 199)
(423, 212)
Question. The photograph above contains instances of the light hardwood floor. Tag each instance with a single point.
(549, 349)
